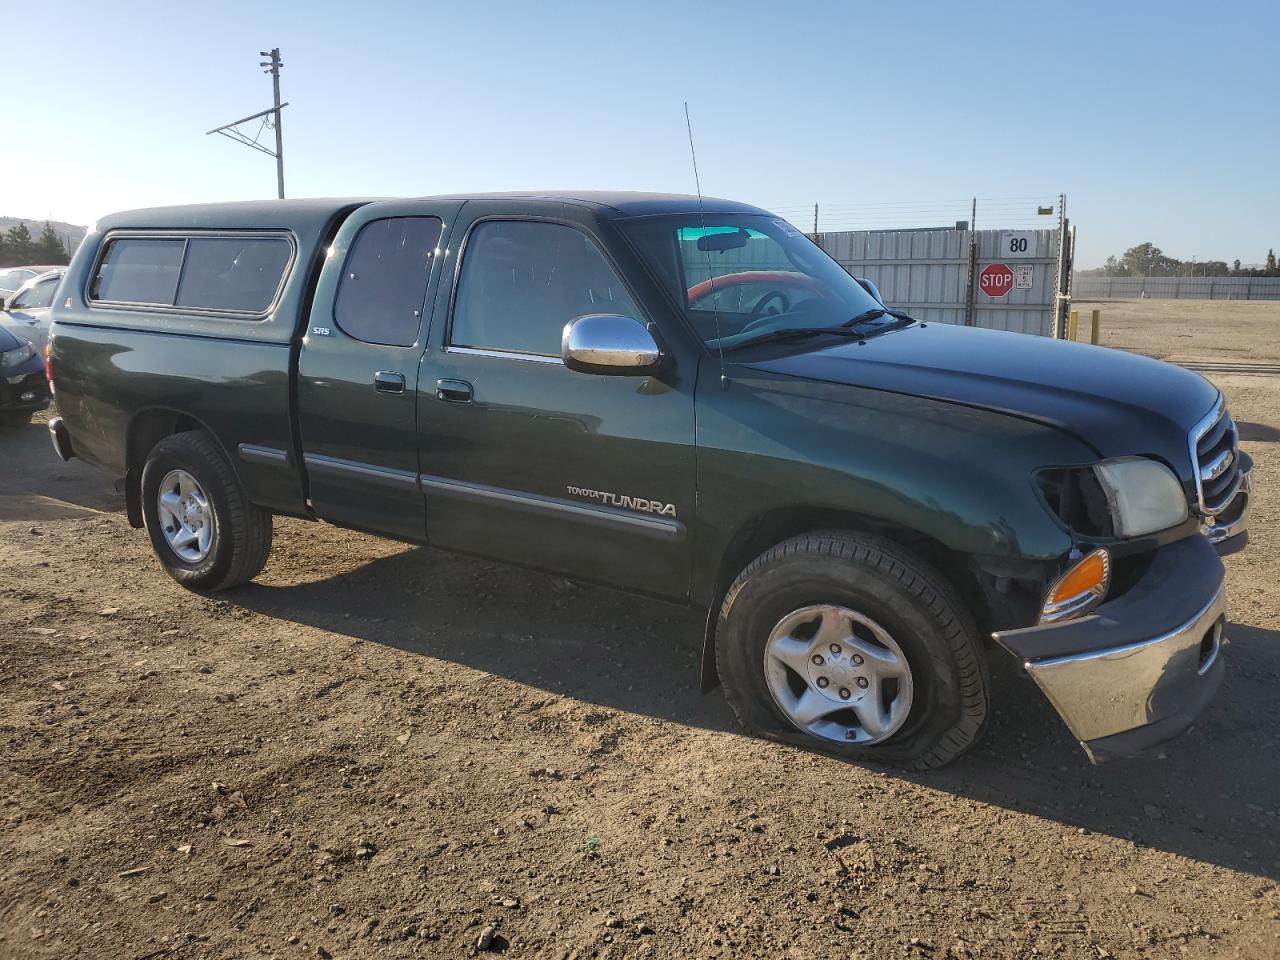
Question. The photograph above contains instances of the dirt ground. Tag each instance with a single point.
(1180, 330)
(380, 751)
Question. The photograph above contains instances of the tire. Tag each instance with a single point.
(865, 584)
(240, 532)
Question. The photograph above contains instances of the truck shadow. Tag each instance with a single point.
(1212, 795)
(37, 486)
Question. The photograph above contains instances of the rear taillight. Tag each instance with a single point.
(48, 362)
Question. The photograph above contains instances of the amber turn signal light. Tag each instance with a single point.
(1079, 589)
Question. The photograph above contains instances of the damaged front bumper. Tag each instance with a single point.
(1141, 667)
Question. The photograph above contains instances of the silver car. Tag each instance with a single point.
(26, 313)
(13, 278)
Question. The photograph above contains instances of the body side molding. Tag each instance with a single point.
(612, 518)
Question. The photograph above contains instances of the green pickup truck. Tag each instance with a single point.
(686, 399)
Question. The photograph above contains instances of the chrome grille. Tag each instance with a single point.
(1215, 451)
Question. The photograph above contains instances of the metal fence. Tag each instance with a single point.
(928, 273)
(1177, 288)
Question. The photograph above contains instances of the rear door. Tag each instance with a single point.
(525, 460)
(358, 368)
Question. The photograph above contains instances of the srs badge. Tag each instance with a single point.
(625, 502)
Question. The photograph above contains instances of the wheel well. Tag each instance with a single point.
(772, 528)
(145, 431)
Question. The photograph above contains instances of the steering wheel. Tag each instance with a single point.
(757, 315)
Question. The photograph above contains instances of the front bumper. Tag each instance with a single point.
(1141, 668)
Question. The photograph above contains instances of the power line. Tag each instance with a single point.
(270, 120)
(1018, 213)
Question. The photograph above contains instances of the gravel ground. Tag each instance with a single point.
(384, 751)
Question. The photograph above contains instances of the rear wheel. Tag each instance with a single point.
(205, 532)
(851, 645)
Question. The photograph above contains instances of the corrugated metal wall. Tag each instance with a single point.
(1177, 288)
(924, 273)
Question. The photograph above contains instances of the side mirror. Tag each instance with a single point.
(609, 343)
(4, 306)
(872, 289)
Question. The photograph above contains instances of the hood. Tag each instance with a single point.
(8, 339)
(1120, 403)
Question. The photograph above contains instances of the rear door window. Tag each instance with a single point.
(384, 281)
(235, 274)
(139, 270)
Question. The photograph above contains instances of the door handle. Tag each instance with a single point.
(385, 381)
(455, 391)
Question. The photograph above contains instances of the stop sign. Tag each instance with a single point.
(995, 280)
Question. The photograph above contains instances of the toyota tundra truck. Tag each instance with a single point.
(683, 398)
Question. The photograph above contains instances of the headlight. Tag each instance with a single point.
(1144, 496)
(11, 358)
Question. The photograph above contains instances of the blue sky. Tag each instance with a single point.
(1160, 121)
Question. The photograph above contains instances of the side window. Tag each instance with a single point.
(40, 295)
(240, 274)
(384, 281)
(522, 281)
(137, 270)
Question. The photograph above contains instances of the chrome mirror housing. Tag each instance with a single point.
(609, 343)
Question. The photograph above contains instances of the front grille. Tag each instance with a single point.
(1215, 445)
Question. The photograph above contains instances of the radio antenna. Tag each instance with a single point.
(702, 217)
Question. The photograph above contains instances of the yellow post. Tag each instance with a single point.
(1073, 324)
(1097, 327)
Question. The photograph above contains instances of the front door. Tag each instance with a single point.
(358, 370)
(525, 460)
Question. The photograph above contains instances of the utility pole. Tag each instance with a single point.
(971, 268)
(273, 67)
(269, 118)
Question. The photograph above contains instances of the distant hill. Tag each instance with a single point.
(69, 233)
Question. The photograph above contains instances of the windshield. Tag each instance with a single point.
(740, 278)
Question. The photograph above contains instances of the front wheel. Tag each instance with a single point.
(204, 531)
(849, 644)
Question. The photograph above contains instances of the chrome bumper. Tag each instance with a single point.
(1142, 667)
(61, 439)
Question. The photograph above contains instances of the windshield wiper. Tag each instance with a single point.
(798, 333)
(875, 313)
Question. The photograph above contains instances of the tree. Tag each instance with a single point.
(1148, 260)
(1235, 266)
(19, 248)
(1114, 268)
(1204, 268)
(1271, 262)
(48, 249)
